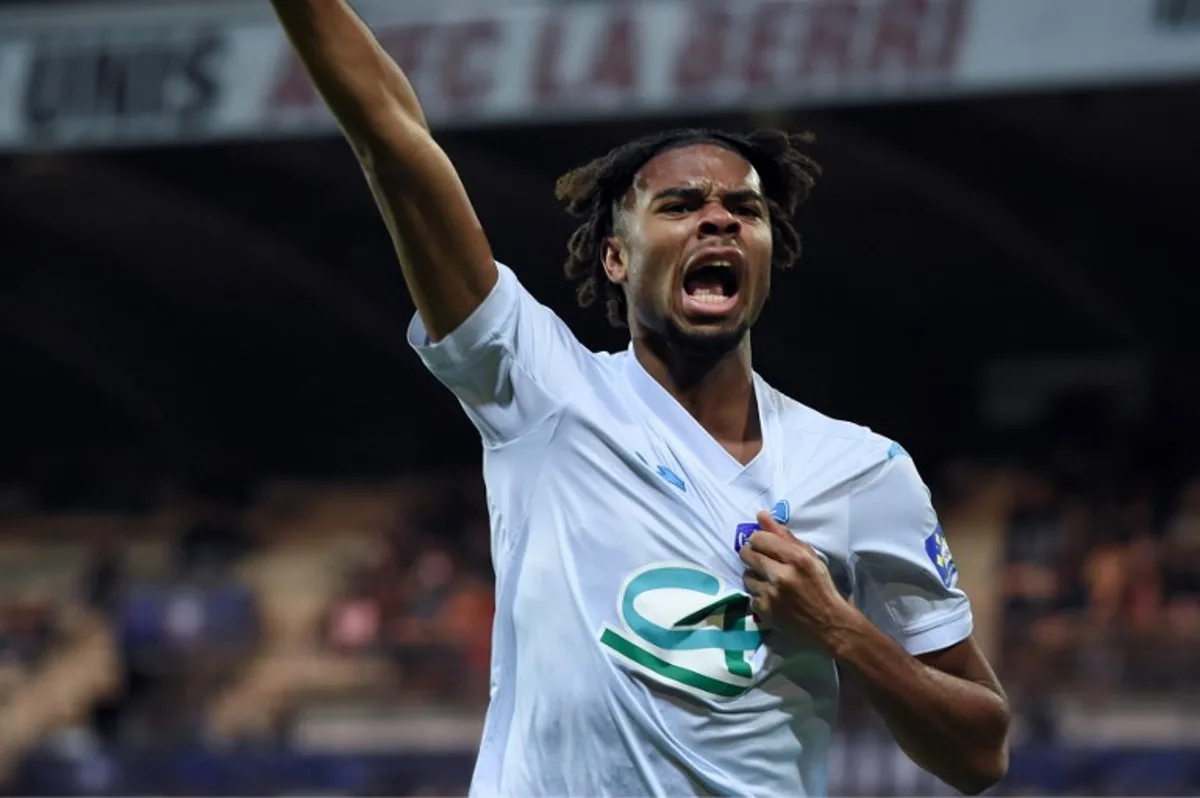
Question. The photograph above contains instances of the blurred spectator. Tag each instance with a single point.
(104, 576)
(26, 631)
(425, 600)
(1032, 583)
(353, 623)
(1182, 557)
(214, 540)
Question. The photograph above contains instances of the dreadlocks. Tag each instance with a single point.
(593, 190)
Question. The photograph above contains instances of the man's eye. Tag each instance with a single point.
(749, 210)
(674, 207)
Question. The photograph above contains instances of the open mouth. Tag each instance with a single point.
(710, 288)
(711, 283)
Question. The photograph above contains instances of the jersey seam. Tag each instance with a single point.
(869, 480)
(519, 522)
(496, 336)
(853, 563)
(803, 428)
(852, 559)
(927, 623)
(936, 621)
(447, 364)
(554, 414)
(480, 351)
(573, 345)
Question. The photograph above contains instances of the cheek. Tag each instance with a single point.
(763, 239)
(651, 269)
(663, 242)
(638, 279)
(764, 253)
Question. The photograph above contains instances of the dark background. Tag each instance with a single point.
(236, 309)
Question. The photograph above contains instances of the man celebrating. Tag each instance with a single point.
(683, 554)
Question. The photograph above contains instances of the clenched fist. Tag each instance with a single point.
(791, 588)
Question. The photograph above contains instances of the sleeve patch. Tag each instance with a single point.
(939, 554)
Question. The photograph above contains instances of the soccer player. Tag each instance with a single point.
(683, 554)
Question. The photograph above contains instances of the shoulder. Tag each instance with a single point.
(824, 440)
(594, 383)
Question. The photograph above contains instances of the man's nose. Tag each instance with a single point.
(717, 220)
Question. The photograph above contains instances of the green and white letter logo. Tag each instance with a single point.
(682, 626)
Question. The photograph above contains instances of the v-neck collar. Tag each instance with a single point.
(690, 433)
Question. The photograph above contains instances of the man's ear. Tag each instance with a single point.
(614, 257)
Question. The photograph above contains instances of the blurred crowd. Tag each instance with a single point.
(28, 629)
(1100, 592)
(183, 626)
(233, 616)
(1103, 592)
(1101, 585)
(424, 599)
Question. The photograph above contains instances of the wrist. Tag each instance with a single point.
(846, 634)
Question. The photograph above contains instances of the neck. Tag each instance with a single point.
(717, 390)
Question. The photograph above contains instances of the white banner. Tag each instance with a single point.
(171, 75)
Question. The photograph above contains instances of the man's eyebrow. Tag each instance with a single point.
(695, 194)
(745, 195)
(679, 192)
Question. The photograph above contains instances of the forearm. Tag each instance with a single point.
(955, 728)
(364, 88)
(447, 263)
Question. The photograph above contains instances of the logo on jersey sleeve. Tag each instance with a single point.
(684, 628)
(938, 550)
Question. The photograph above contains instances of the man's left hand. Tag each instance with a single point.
(790, 586)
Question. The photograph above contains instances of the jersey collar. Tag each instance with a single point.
(688, 431)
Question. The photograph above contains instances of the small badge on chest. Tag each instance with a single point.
(781, 512)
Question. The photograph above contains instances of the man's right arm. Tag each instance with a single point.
(443, 252)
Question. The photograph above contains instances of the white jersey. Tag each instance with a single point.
(626, 660)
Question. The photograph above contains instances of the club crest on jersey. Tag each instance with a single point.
(684, 628)
(781, 512)
(938, 550)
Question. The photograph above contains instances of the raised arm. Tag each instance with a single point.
(443, 252)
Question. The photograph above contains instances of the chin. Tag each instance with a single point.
(709, 340)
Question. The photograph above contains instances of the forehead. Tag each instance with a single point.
(706, 166)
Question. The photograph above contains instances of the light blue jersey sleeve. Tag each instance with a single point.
(904, 577)
(507, 363)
